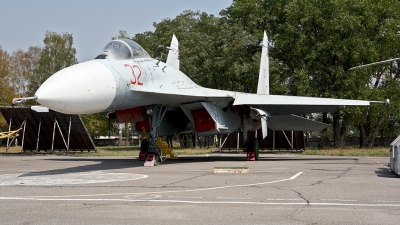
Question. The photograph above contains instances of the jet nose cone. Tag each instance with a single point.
(87, 87)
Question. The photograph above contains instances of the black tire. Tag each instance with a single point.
(144, 146)
(252, 146)
(156, 151)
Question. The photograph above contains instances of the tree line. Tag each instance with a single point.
(312, 46)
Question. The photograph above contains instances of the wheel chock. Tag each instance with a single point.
(143, 156)
(151, 160)
(251, 156)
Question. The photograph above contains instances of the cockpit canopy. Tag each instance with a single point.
(123, 49)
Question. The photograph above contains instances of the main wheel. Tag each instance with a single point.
(252, 146)
(156, 151)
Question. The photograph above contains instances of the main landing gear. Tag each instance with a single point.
(252, 149)
(156, 114)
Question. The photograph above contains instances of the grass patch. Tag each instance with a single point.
(109, 152)
(118, 148)
(134, 151)
(350, 151)
(112, 151)
(192, 151)
(13, 149)
(118, 151)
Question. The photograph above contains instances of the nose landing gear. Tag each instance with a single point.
(156, 114)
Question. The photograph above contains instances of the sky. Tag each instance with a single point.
(91, 22)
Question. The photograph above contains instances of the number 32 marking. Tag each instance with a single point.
(136, 71)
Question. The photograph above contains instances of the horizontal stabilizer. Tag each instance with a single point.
(296, 123)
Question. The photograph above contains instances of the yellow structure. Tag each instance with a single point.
(167, 152)
(10, 134)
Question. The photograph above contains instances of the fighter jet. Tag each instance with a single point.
(157, 96)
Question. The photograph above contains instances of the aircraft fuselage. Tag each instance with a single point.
(109, 84)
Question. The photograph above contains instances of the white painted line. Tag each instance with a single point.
(294, 177)
(185, 197)
(233, 198)
(340, 200)
(206, 202)
(355, 204)
(380, 163)
(176, 191)
(389, 201)
(46, 179)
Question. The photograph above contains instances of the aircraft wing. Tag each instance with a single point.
(286, 105)
(178, 98)
(274, 104)
(254, 99)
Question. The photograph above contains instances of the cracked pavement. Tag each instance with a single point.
(280, 189)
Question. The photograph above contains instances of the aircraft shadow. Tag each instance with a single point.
(242, 158)
(104, 164)
(114, 164)
(384, 172)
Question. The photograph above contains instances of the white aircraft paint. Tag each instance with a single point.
(87, 87)
(44, 179)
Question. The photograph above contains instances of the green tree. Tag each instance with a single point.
(375, 120)
(22, 65)
(122, 34)
(213, 52)
(6, 90)
(318, 41)
(58, 53)
(99, 125)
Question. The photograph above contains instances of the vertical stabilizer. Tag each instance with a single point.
(263, 78)
(173, 54)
